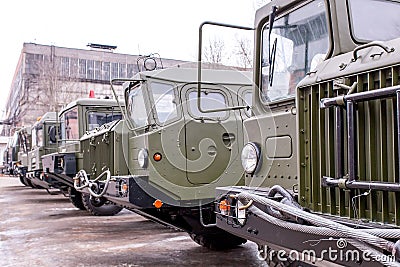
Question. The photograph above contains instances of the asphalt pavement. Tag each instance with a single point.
(38, 229)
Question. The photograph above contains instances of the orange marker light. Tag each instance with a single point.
(158, 203)
(124, 188)
(157, 157)
(224, 207)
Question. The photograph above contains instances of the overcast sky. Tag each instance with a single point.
(168, 27)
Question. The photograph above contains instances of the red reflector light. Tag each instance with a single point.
(91, 94)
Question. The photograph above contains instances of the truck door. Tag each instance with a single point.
(211, 143)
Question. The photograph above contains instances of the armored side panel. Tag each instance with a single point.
(102, 149)
(34, 162)
(23, 157)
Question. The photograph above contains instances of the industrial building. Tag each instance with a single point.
(48, 77)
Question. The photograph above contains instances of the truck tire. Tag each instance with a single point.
(99, 207)
(217, 241)
(29, 183)
(22, 180)
(76, 198)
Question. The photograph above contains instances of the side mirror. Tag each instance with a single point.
(52, 134)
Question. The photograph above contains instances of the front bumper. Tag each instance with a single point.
(134, 192)
(252, 227)
(60, 168)
(39, 179)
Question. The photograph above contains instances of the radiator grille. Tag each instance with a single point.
(376, 153)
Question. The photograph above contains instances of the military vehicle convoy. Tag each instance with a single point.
(167, 155)
(60, 167)
(318, 182)
(322, 153)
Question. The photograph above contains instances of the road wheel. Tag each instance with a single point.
(23, 180)
(217, 241)
(29, 183)
(76, 198)
(99, 206)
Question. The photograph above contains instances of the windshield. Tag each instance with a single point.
(136, 107)
(375, 20)
(299, 41)
(70, 125)
(14, 141)
(24, 140)
(96, 118)
(37, 136)
(164, 101)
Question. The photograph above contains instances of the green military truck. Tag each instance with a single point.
(4, 156)
(14, 154)
(42, 144)
(60, 167)
(322, 153)
(11, 157)
(167, 156)
(5, 167)
(25, 145)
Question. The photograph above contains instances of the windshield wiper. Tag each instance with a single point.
(272, 52)
(272, 62)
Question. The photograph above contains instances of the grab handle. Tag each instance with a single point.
(375, 43)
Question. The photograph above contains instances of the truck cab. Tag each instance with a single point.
(321, 155)
(42, 144)
(13, 153)
(21, 167)
(60, 167)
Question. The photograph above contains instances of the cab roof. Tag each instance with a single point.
(189, 75)
(93, 102)
(48, 116)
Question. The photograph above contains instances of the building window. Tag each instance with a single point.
(82, 68)
(122, 70)
(131, 70)
(97, 70)
(90, 69)
(74, 67)
(33, 63)
(64, 67)
(114, 70)
(106, 71)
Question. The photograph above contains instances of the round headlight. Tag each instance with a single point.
(143, 158)
(250, 157)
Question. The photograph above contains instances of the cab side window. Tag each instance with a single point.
(209, 100)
